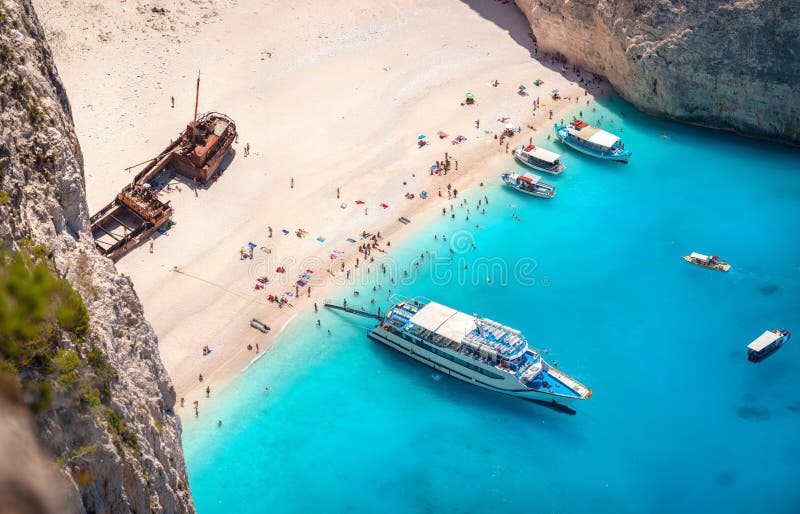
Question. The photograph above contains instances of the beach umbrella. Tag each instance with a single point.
(509, 126)
(470, 96)
(555, 91)
(422, 136)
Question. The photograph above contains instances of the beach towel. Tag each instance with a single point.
(339, 251)
(334, 256)
(251, 245)
(350, 240)
(285, 231)
(343, 206)
(301, 283)
(288, 293)
(359, 202)
(385, 206)
(321, 239)
(310, 271)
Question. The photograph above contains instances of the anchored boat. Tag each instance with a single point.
(707, 261)
(539, 159)
(766, 344)
(475, 350)
(529, 184)
(593, 141)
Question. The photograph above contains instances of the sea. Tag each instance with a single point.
(679, 420)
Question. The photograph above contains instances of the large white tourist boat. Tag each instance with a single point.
(593, 141)
(478, 351)
(537, 158)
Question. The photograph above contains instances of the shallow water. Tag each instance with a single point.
(679, 419)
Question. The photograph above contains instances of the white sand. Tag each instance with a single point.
(332, 93)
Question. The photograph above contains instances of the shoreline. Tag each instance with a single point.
(316, 109)
(470, 184)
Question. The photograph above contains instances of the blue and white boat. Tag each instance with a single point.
(766, 344)
(529, 184)
(477, 351)
(592, 141)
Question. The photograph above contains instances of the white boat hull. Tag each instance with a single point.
(508, 384)
(525, 163)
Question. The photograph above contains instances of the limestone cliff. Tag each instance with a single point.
(102, 400)
(721, 63)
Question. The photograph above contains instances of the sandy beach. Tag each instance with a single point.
(327, 95)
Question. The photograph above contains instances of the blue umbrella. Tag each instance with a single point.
(421, 137)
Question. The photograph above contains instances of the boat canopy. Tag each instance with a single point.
(603, 138)
(594, 135)
(444, 321)
(530, 178)
(764, 340)
(541, 154)
(699, 256)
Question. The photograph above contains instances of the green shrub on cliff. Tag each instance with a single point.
(43, 328)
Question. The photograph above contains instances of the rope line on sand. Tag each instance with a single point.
(220, 286)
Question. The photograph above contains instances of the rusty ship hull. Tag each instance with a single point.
(137, 212)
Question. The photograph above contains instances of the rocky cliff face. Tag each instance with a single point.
(108, 420)
(722, 63)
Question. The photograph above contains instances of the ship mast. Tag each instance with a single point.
(196, 100)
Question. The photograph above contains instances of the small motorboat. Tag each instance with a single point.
(707, 261)
(539, 159)
(529, 184)
(766, 344)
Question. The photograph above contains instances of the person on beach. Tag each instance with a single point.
(201, 377)
(256, 347)
(270, 231)
(291, 183)
(337, 193)
(181, 401)
(151, 247)
(315, 305)
(208, 391)
(172, 100)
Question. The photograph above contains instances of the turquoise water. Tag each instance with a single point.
(679, 420)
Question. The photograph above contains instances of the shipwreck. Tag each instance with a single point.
(137, 212)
